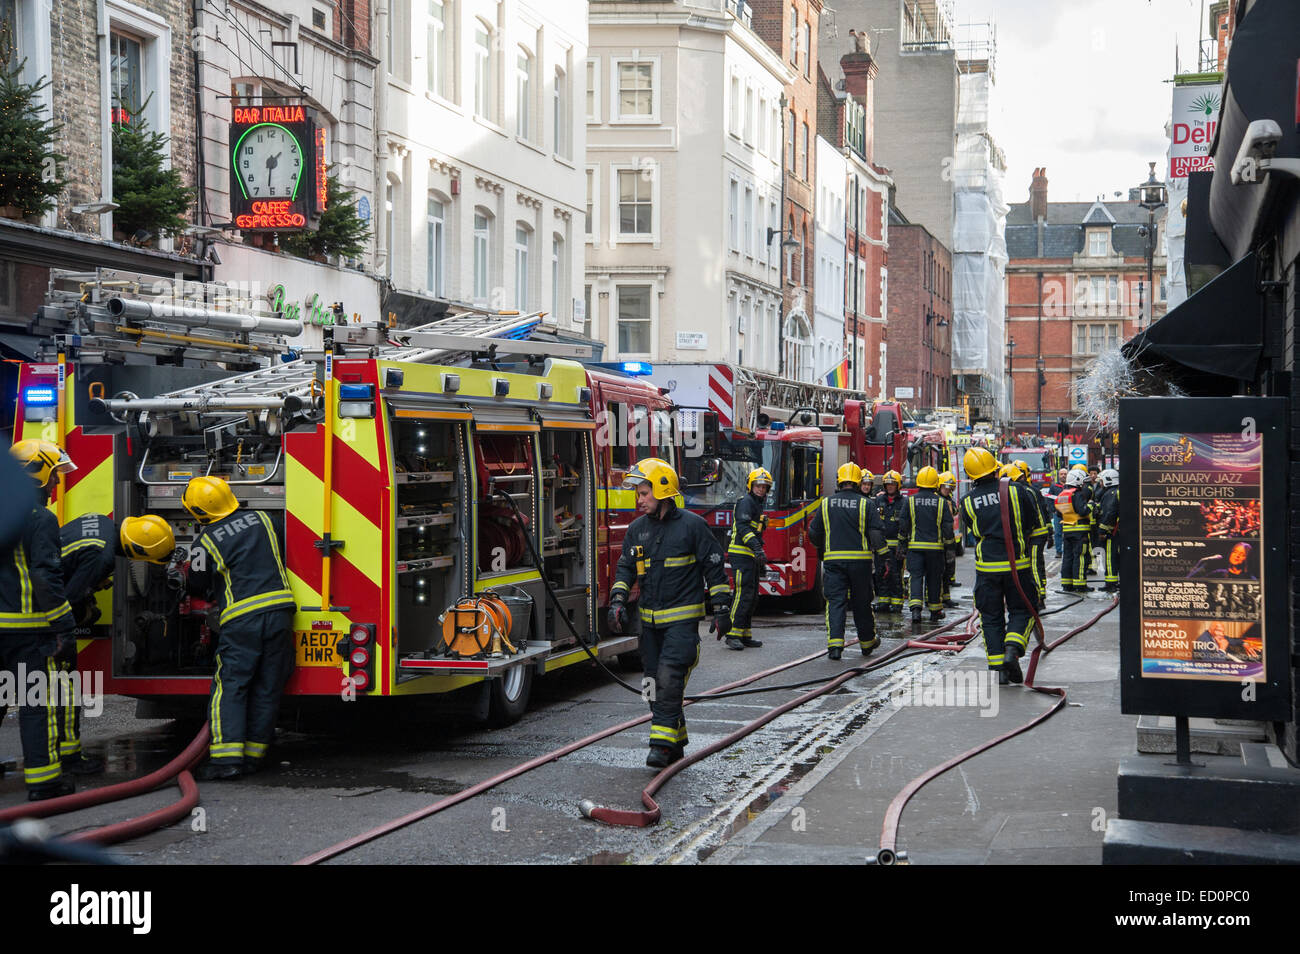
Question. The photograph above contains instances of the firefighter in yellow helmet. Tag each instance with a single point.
(1004, 613)
(89, 548)
(254, 654)
(36, 620)
(670, 554)
(891, 504)
(1018, 472)
(948, 490)
(929, 537)
(847, 531)
(747, 556)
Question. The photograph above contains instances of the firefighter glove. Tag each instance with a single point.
(721, 623)
(617, 618)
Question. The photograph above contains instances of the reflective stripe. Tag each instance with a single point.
(83, 544)
(253, 604)
(722, 589)
(24, 580)
(275, 548)
(42, 773)
(214, 706)
(844, 555)
(740, 550)
(735, 601)
(679, 561)
(1002, 566)
(23, 621)
(255, 749)
(52, 615)
(226, 750)
(672, 614)
(221, 565)
(663, 733)
(619, 587)
(1016, 638)
(925, 545)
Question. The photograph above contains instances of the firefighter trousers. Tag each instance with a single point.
(1072, 567)
(847, 584)
(1040, 568)
(38, 715)
(70, 707)
(1004, 616)
(926, 569)
(949, 571)
(746, 588)
(889, 579)
(670, 654)
(1112, 559)
(254, 659)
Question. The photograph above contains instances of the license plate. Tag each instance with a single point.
(316, 648)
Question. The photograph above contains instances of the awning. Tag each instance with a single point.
(1217, 331)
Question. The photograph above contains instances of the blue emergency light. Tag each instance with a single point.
(778, 426)
(356, 392)
(637, 367)
(39, 397)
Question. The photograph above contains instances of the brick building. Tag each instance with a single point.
(1076, 283)
(920, 316)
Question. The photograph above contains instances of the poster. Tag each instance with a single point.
(1201, 538)
(1191, 129)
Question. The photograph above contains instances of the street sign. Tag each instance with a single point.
(1076, 454)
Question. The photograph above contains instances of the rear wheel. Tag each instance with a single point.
(508, 696)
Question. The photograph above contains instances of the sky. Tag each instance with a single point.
(1082, 88)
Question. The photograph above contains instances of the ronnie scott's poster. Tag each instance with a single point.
(1202, 531)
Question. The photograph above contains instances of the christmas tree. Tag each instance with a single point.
(150, 198)
(29, 165)
(341, 230)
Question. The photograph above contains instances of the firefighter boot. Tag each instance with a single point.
(936, 615)
(1011, 663)
(916, 616)
(662, 756)
(734, 642)
(835, 652)
(218, 771)
(751, 642)
(59, 787)
(80, 765)
(868, 645)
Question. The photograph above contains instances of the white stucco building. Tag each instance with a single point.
(679, 262)
(828, 300)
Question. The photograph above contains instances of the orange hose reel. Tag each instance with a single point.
(476, 626)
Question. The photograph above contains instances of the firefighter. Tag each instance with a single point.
(1018, 472)
(1108, 525)
(1004, 613)
(748, 559)
(1072, 504)
(254, 644)
(674, 558)
(36, 621)
(89, 548)
(846, 529)
(926, 543)
(1090, 489)
(892, 507)
(947, 488)
(1055, 487)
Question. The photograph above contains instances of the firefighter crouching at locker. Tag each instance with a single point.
(240, 560)
(948, 487)
(36, 620)
(748, 559)
(926, 513)
(1108, 525)
(89, 548)
(892, 507)
(1004, 614)
(671, 554)
(846, 529)
(1072, 504)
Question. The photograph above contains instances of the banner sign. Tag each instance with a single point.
(1202, 543)
(1195, 116)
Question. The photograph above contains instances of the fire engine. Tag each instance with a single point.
(417, 478)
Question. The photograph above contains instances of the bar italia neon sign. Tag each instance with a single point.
(277, 158)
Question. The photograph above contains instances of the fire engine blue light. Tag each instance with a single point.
(356, 392)
(778, 426)
(637, 367)
(39, 397)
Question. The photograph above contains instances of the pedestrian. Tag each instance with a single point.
(1001, 561)
(1108, 525)
(747, 556)
(846, 529)
(947, 489)
(929, 537)
(36, 622)
(254, 654)
(673, 557)
(89, 548)
(1072, 504)
(892, 507)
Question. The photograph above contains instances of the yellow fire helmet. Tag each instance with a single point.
(1080, 467)
(868, 477)
(659, 474)
(892, 477)
(758, 475)
(42, 459)
(209, 499)
(849, 473)
(978, 462)
(927, 478)
(148, 538)
(947, 478)
(1024, 469)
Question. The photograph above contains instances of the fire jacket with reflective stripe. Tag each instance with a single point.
(982, 516)
(89, 552)
(926, 511)
(747, 527)
(1047, 504)
(893, 513)
(1108, 509)
(244, 551)
(950, 521)
(1072, 505)
(678, 558)
(31, 580)
(855, 528)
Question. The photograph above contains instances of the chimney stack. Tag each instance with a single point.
(1038, 194)
(860, 70)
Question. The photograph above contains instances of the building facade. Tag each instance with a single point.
(829, 285)
(920, 317)
(683, 251)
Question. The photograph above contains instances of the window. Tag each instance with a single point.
(560, 112)
(587, 320)
(523, 243)
(593, 91)
(436, 48)
(592, 231)
(1097, 243)
(774, 223)
(482, 71)
(794, 35)
(807, 50)
(635, 203)
(523, 95)
(636, 93)
(733, 107)
(1114, 289)
(124, 75)
(437, 247)
(482, 254)
(1097, 298)
(557, 274)
(794, 129)
(11, 35)
(390, 233)
(1095, 338)
(633, 309)
(749, 114)
(733, 216)
(774, 132)
(317, 19)
(749, 221)
(807, 174)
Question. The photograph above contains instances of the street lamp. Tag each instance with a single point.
(1011, 386)
(1152, 195)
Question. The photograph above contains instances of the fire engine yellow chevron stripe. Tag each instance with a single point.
(362, 545)
(361, 439)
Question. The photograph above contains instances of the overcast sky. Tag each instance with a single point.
(1081, 88)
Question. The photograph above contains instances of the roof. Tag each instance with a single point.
(1064, 232)
(1076, 213)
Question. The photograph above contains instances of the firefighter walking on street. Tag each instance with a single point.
(1072, 504)
(846, 529)
(926, 513)
(947, 490)
(671, 555)
(36, 621)
(892, 506)
(239, 557)
(1108, 525)
(1004, 612)
(747, 557)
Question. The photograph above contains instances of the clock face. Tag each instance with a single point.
(269, 162)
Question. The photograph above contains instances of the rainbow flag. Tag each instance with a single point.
(838, 376)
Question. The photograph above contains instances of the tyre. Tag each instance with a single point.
(508, 696)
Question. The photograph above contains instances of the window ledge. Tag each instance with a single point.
(634, 121)
(443, 102)
(564, 161)
(529, 144)
(489, 124)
